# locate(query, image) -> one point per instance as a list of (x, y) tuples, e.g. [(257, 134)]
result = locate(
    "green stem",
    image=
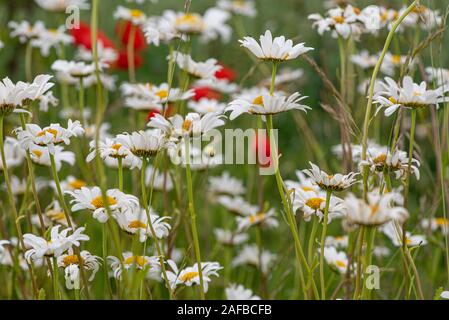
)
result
[(322, 244), (130, 53), (28, 61), (81, 102), (193, 217), (371, 234), (120, 173), (371, 92), (150, 224), (13, 205), (359, 262), (290, 215)]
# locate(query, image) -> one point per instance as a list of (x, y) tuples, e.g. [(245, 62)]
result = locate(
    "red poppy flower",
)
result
[(262, 151), (83, 36), (123, 30), (226, 73), (122, 61), (154, 112), (205, 92)]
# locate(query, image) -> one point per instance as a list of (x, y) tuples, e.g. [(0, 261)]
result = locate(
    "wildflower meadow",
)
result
[(224, 150)]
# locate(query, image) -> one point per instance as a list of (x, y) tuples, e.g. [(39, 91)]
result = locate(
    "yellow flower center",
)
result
[(357, 11), (37, 153), (396, 59), (307, 188), (393, 100), (374, 209), (162, 94), (339, 19), (137, 224), (340, 263), (188, 276), (380, 159), (315, 203), (442, 221), (68, 260), (77, 184), (408, 241), (188, 18), (135, 13), (256, 217), (49, 130), (186, 125), (98, 202), (56, 215), (116, 146), (139, 260), (258, 101)]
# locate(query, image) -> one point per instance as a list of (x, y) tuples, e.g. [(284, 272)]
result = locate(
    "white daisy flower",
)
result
[(250, 255), (49, 136), (313, 203), (14, 95), (229, 238), (379, 210), (190, 276), (444, 295), (110, 151), (136, 16), (59, 243), (14, 154), (219, 85), (143, 143), (161, 29), (136, 222), (62, 5), (206, 105), (337, 260), (364, 59), (132, 261), (336, 182), (434, 224), (55, 214), (237, 205), (192, 125), (264, 219), (380, 159), (239, 7), (70, 263), (51, 38), (25, 31), (341, 22), (106, 55), (226, 184), (74, 69), (41, 156), (277, 49), (199, 70), (239, 292), (91, 199), (304, 183), (337, 242), (410, 95), (394, 232), (393, 62), (266, 104)]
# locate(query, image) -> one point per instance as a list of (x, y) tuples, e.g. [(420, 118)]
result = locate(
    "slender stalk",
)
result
[(311, 243), (120, 173), (193, 217), (368, 112), (13, 206), (57, 295), (359, 262), (81, 102), (371, 234), (323, 240), (28, 61), (290, 215), (130, 54), (150, 224)]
